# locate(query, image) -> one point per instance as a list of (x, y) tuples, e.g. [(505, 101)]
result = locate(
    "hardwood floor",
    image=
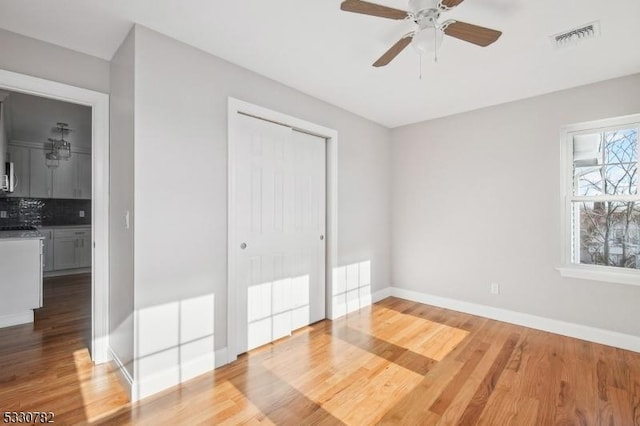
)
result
[(398, 362), (45, 366)]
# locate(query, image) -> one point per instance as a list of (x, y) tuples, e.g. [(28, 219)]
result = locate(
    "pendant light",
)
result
[(60, 148)]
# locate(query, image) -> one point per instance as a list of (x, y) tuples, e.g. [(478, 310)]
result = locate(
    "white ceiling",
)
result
[(318, 49)]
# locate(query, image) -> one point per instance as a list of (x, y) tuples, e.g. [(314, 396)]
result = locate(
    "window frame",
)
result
[(567, 267)]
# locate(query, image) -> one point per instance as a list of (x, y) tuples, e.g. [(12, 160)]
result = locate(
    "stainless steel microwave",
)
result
[(8, 181)]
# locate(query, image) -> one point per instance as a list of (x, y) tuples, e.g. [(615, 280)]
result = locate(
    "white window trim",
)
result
[(568, 268)]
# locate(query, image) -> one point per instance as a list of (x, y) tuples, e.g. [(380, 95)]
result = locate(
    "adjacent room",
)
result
[(336, 212)]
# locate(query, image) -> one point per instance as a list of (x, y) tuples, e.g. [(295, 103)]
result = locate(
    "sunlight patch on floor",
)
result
[(427, 338), (229, 399), (96, 385), (359, 362), (339, 366)]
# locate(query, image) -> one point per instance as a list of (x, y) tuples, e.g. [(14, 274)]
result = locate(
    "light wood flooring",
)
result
[(398, 362)]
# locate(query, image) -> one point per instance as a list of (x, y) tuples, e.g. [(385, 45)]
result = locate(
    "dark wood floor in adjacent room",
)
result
[(45, 366), (398, 362)]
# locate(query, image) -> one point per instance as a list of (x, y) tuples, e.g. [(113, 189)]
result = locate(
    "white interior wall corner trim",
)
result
[(124, 374)]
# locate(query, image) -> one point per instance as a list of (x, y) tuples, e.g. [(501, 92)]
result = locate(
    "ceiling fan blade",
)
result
[(367, 8), (472, 33), (393, 52), (450, 3)]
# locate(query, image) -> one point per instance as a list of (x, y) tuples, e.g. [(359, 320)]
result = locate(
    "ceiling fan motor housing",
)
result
[(425, 13), (417, 6)]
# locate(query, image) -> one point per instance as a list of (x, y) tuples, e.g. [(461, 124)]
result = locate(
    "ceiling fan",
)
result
[(429, 33)]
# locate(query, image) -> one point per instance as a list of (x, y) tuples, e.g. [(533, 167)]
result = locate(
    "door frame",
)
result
[(236, 107), (99, 103)]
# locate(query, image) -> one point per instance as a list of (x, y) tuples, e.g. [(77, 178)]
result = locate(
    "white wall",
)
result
[(34, 117), (121, 242), (476, 199), (40, 59), (181, 194)]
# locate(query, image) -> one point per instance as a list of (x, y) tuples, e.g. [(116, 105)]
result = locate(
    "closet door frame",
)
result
[(333, 308)]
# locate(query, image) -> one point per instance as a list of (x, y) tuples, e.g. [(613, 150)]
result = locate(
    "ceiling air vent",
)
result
[(577, 35)]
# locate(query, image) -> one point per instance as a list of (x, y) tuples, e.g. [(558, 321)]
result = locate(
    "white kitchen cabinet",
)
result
[(21, 280), (47, 263), (19, 156), (65, 178), (84, 176), (40, 176), (65, 253), (84, 252), (71, 179), (71, 248)]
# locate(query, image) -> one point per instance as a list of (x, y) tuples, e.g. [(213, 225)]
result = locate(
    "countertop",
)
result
[(26, 235), (64, 227), (20, 235)]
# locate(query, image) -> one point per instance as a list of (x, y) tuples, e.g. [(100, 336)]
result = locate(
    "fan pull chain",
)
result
[(435, 44)]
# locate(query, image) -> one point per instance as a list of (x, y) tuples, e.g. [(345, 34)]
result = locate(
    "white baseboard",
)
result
[(124, 374), (197, 366), (165, 378), (170, 377), (16, 319), (591, 334), (338, 310), (62, 273), (381, 294), (154, 383), (221, 357)]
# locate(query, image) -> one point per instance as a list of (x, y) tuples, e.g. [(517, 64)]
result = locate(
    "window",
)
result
[(601, 209)]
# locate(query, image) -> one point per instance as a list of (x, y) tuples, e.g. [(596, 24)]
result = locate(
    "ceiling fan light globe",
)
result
[(427, 40)]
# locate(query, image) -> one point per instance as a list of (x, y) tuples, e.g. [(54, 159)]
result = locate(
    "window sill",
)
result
[(606, 274)]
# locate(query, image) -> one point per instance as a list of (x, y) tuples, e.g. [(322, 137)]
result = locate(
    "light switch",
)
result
[(3, 214), (81, 213), (126, 219)]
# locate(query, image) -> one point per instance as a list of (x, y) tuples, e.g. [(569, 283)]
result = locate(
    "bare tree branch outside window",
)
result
[(607, 230)]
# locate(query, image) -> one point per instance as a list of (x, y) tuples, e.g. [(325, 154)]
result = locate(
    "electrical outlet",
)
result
[(81, 213), (3, 214), (495, 288)]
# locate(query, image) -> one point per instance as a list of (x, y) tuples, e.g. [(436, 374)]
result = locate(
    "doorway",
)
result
[(282, 225), (99, 104)]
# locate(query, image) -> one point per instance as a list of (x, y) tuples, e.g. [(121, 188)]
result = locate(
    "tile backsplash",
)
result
[(44, 212)]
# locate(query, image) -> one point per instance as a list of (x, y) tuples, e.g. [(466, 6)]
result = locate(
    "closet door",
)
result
[(309, 207), (279, 200)]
